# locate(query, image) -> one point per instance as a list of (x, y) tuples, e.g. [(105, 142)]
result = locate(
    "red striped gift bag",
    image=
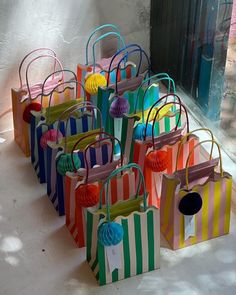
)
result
[(87, 177), (28, 95), (156, 155), (196, 202)]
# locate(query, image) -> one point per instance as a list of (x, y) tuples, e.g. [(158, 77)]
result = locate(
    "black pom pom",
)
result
[(190, 204)]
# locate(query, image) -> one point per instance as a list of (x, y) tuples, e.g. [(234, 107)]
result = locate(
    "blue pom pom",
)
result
[(110, 233), (139, 131)]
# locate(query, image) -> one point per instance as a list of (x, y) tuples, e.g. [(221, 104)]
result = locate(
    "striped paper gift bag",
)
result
[(136, 238), (195, 203), (65, 124), (90, 176), (27, 97), (127, 88), (101, 66), (56, 180), (177, 151)]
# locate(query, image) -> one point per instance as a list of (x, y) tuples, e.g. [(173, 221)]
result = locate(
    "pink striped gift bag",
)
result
[(28, 95), (82, 186), (196, 202)]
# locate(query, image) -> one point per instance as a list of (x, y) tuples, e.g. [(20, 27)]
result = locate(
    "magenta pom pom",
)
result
[(50, 135)]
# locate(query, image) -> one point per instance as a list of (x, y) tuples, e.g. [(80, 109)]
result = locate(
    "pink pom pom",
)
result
[(50, 135)]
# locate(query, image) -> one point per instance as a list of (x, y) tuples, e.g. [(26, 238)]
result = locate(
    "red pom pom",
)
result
[(157, 160), (87, 195), (34, 106)]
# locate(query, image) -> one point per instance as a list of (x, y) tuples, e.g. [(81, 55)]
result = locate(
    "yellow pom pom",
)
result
[(94, 81)]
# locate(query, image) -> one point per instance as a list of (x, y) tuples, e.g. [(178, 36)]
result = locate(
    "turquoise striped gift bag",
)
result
[(129, 230)]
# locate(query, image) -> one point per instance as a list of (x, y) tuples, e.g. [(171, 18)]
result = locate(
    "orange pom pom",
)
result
[(157, 161), (87, 195)]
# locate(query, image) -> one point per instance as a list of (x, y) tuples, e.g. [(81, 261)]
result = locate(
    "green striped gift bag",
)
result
[(123, 240)]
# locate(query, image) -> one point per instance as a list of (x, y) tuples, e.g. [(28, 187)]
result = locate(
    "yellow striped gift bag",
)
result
[(196, 202), (128, 230)]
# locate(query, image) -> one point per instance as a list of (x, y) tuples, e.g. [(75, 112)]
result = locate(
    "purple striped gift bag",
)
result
[(196, 202)]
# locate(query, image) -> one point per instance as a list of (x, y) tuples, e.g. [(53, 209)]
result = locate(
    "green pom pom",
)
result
[(64, 163)]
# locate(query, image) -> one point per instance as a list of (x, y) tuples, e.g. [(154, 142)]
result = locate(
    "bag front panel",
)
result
[(210, 222), (140, 247), (154, 179), (21, 128)]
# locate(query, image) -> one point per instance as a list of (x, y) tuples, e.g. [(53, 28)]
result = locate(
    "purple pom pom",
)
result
[(119, 107)]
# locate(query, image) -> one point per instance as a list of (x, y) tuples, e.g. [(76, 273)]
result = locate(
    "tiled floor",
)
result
[(38, 255)]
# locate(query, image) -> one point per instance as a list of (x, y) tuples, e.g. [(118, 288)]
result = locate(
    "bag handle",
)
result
[(157, 102), (32, 61), (117, 54), (100, 140), (170, 81), (158, 111), (119, 37), (53, 53), (185, 137), (78, 107), (114, 173), (142, 52), (74, 81), (94, 32), (188, 159)]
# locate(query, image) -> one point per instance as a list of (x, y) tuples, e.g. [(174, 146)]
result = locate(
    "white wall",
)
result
[(63, 25)]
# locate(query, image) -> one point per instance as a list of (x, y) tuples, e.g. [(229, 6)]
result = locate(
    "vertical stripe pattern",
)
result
[(140, 247), (210, 222)]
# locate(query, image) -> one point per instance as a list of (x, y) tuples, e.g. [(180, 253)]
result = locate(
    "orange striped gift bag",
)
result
[(79, 184), (28, 95), (58, 154), (128, 230), (196, 202), (157, 155), (176, 150), (100, 66)]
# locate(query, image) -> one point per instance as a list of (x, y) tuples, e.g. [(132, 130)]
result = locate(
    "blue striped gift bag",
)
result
[(46, 119), (55, 150), (55, 181)]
